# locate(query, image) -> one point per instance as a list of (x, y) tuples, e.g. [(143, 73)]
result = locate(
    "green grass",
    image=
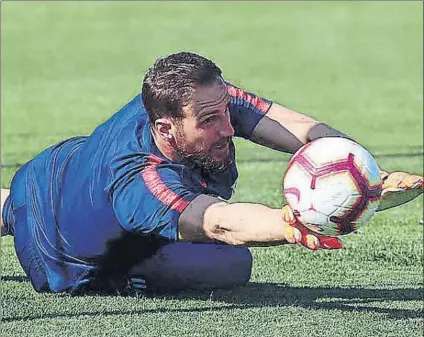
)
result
[(68, 66)]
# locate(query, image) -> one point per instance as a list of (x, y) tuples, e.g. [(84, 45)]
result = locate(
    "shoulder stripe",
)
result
[(158, 188), (154, 160), (248, 99)]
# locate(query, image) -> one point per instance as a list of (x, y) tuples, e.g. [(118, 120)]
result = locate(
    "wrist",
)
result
[(322, 130)]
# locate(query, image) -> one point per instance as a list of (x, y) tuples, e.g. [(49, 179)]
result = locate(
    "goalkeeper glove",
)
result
[(296, 232), (399, 188)]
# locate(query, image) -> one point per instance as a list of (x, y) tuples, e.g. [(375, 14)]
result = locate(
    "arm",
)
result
[(279, 128), (245, 224), (286, 130), (294, 122), (208, 218), (156, 202), (271, 124)]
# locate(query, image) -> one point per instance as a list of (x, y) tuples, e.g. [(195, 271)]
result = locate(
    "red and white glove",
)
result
[(296, 232)]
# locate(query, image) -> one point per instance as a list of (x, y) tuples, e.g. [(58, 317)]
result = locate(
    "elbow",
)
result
[(225, 236), (214, 226)]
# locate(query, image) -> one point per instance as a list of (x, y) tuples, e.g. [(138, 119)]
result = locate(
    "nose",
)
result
[(227, 129)]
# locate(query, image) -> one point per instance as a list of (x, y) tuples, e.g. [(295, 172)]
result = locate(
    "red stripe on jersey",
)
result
[(257, 102), (152, 159), (158, 188)]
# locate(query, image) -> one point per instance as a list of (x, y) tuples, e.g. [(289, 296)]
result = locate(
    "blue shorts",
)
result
[(15, 218)]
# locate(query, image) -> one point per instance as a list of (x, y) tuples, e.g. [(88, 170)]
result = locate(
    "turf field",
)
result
[(68, 66)]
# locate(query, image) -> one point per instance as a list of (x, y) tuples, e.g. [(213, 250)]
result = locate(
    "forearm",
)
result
[(244, 224), (286, 130), (296, 123)]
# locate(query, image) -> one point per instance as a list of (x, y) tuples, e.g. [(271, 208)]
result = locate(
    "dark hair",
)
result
[(169, 84)]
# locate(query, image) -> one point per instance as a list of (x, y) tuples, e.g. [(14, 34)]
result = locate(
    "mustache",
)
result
[(205, 160)]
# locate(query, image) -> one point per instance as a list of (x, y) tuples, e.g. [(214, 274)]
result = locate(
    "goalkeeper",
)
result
[(140, 203)]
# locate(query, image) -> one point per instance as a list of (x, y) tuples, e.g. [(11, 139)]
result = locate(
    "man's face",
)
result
[(204, 134)]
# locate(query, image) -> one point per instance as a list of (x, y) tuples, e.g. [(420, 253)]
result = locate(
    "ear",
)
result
[(163, 128)]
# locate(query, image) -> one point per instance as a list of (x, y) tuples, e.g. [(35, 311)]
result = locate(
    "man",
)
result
[(140, 202)]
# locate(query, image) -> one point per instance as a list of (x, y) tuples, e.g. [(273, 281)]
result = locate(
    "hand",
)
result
[(399, 188), (400, 180), (296, 232)]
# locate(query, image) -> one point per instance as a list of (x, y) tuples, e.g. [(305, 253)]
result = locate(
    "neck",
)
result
[(165, 147)]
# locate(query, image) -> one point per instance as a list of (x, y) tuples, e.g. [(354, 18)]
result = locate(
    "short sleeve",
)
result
[(246, 110), (151, 201)]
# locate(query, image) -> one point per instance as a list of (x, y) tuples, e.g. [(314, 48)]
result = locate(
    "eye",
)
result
[(209, 119)]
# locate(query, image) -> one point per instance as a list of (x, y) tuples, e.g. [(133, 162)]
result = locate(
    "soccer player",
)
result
[(140, 203)]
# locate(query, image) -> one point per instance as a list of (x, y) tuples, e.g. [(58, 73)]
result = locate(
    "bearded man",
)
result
[(140, 203)]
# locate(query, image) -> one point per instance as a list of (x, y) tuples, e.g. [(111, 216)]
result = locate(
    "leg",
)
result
[(4, 195), (14, 222), (185, 265)]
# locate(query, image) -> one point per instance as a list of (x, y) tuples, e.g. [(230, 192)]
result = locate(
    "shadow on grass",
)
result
[(259, 295), (14, 278)]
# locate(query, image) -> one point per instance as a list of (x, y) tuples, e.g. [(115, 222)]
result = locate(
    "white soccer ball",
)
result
[(333, 185)]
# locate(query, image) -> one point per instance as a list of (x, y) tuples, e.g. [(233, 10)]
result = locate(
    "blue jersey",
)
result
[(96, 205)]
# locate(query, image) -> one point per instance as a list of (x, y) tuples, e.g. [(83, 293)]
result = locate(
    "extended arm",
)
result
[(286, 130), (245, 224)]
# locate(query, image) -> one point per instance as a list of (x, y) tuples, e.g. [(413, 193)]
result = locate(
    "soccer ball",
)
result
[(333, 185)]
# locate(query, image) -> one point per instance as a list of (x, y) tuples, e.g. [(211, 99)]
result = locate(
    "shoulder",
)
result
[(246, 99)]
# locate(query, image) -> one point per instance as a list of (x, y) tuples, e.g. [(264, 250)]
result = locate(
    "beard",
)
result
[(205, 160)]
